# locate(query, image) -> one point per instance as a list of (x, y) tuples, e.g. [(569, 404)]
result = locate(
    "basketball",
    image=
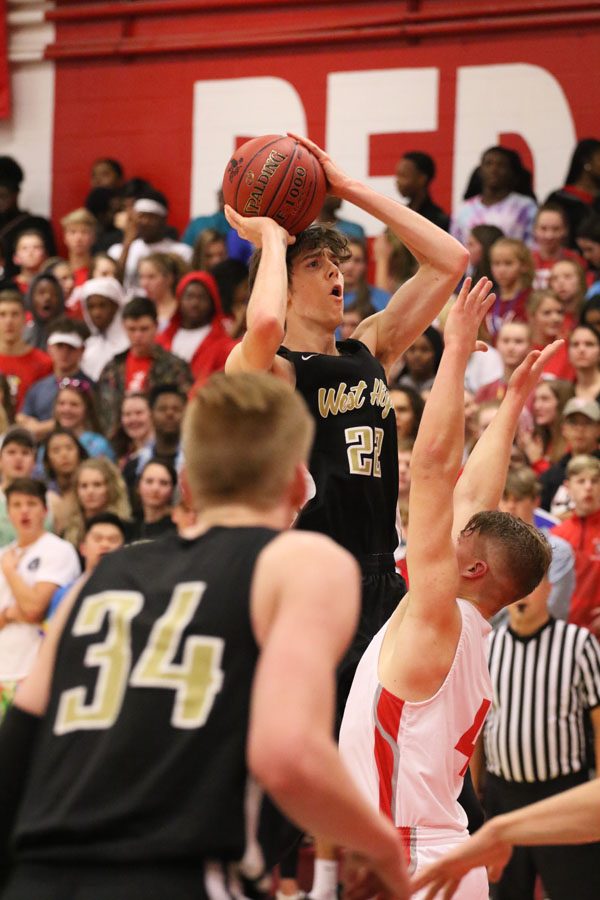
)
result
[(275, 176)]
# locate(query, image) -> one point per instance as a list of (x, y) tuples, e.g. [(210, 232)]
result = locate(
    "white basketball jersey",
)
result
[(409, 758)]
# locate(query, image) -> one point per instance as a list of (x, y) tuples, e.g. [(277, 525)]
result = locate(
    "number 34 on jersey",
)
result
[(195, 681)]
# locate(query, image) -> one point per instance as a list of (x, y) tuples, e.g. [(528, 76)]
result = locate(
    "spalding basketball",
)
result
[(275, 176)]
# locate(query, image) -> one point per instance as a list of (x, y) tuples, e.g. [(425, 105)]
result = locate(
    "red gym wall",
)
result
[(125, 76)]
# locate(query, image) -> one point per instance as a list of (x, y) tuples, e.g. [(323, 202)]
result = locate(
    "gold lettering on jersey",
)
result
[(380, 396), (341, 399)]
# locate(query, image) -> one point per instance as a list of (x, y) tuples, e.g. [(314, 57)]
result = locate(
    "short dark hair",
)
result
[(524, 552), (19, 436), (424, 163), (11, 173), (12, 295), (591, 305), (32, 487), (590, 228), (106, 518), (58, 430), (159, 389), (30, 232), (66, 325), (315, 237), (114, 164), (155, 461), (139, 307), (552, 206)]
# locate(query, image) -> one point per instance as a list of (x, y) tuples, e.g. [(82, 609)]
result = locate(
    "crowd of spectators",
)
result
[(102, 345)]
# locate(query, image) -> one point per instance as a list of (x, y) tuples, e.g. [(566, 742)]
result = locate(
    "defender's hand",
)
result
[(444, 876), (527, 375), (468, 312)]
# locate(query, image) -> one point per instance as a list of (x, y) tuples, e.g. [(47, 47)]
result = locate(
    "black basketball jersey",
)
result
[(142, 753), (354, 460)]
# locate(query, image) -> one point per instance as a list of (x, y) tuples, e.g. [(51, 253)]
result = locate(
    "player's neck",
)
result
[(524, 626), (313, 337), (466, 591), (231, 515)]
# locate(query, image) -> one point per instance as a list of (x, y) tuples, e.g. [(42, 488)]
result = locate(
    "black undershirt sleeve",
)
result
[(17, 742)]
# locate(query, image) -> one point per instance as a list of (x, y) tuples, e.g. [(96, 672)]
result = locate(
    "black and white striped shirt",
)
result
[(542, 685)]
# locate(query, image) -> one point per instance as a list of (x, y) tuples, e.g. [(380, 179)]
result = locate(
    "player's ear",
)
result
[(476, 569), (299, 493), (185, 490)]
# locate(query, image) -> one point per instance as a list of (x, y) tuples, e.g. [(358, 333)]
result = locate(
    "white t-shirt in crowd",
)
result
[(48, 559), (187, 340), (483, 368)]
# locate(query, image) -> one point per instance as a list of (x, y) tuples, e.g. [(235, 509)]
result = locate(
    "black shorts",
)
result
[(568, 871), (382, 590), (110, 881)]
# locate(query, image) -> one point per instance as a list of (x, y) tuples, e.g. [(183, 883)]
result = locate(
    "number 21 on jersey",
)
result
[(195, 681)]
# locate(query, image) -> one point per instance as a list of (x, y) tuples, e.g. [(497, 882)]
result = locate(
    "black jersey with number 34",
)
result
[(354, 461), (141, 756)]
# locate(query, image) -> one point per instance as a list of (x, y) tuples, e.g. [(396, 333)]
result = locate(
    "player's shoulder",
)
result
[(303, 552), (141, 558)]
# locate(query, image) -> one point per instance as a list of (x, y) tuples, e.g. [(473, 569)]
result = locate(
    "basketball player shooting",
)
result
[(295, 306), (422, 689)]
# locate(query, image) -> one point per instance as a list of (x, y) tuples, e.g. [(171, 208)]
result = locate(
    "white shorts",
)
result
[(427, 846)]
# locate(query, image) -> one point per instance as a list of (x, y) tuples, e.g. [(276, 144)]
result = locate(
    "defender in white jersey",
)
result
[(422, 689)]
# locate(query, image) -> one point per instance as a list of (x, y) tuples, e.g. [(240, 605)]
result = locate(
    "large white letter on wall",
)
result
[(515, 98), (228, 108), (380, 101)]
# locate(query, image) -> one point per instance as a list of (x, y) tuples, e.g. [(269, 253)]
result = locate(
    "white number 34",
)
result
[(196, 680)]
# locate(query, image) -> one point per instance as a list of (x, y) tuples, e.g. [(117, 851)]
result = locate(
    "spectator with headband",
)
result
[(65, 349), (145, 232), (102, 302)]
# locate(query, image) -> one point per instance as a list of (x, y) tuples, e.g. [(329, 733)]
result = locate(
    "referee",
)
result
[(546, 681)]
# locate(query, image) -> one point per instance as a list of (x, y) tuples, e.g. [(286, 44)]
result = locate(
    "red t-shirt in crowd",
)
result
[(137, 372), (583, 534), (81, 275), (558, 365), (23, 371)]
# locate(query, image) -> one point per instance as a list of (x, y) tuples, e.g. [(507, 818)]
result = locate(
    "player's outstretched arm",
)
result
[(436, 461), (481, 484), (305, 600), (442, 261), (572, 817), (265, 316)]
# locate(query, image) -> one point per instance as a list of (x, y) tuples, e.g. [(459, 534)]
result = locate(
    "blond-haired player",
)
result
[(183, 666)]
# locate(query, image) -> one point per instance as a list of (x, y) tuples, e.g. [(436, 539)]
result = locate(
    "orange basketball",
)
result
[(275, 176)]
